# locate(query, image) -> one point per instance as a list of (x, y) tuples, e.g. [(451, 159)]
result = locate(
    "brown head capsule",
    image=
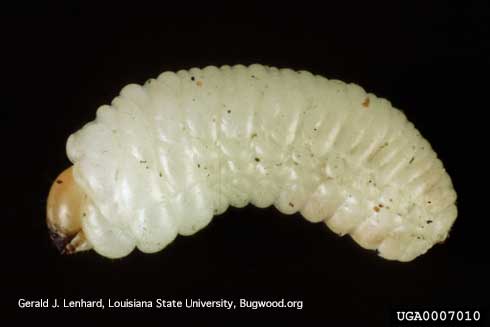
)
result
[(64, 214)]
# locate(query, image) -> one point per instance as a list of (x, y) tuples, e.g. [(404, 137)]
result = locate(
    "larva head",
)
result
[(64, 214)]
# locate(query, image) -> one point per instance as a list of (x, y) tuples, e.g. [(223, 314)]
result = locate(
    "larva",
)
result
[(165, 157)]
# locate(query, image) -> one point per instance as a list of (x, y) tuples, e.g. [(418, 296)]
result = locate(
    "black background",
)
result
[(60, 63)]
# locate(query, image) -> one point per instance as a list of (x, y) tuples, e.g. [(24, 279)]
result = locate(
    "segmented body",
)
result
[(165, 157)]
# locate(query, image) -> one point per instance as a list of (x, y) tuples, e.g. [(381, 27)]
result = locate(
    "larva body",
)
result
[(165, 157)]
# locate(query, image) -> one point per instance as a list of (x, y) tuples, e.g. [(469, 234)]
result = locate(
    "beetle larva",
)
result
[(165, 157)]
